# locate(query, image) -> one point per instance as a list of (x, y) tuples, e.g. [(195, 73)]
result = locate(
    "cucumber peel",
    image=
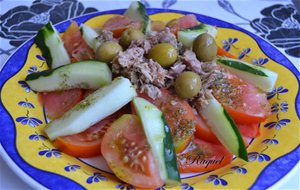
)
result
[(137, 11), (262, 78), (160, 139), (187, 36), (97, 106), (52, 47), (84, 74), (90, 36), (223, 126)]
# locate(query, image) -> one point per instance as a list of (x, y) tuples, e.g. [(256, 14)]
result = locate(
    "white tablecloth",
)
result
[(244, 13)]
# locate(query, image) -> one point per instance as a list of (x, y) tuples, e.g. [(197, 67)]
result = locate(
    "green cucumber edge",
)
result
[(171, 159), (143, 12), (242, 67), (242, 148), (39, 40), (45, 73), (195, 28)]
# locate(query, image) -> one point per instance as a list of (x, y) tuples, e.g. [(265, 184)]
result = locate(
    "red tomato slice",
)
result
[(184, 22), (126, 151), (179, 116), (87, 143), (117, 24), (203, 132), (243, 101), (76, 46), (202, 156), (249, 130), (57, 103)]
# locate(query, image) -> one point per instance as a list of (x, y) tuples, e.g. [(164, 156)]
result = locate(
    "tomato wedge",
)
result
[(202, 156), (117, 24), (243, 101), (57, 103), (183, 22), (179, 116), (203, 132), (76, 46), (127, 153), (88, 143), (249, 130)]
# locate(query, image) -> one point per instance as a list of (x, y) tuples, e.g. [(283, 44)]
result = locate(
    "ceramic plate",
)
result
[(27, 149)]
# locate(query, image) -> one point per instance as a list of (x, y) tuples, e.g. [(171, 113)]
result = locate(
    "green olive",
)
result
[(129, 35), (165, 54), (187, 84), (108, 51), (205, 47)]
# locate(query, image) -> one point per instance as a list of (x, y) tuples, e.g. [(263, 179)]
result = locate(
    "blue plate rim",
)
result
[(17, 159)]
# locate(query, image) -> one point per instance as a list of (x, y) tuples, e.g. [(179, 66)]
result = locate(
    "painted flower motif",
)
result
[(270, 141), (260, 61), (40, 57), (161, 188), (96, 177), (283, 107), (71, 168), (280, 25), (168, 3), (216, 180), (24, 85), (277, 92), (22, 22), (186, 186), (50, 152), (124, 186), (31, 121), (26, 104), (32, 69), (244, 53), (277, 124), (37, 137), (239, 169), (260, 157), (228, 43)]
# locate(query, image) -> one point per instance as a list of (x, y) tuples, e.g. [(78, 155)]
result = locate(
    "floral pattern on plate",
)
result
[(24, 123)]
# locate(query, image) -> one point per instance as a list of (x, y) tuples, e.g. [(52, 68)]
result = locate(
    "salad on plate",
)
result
[(155, 99)]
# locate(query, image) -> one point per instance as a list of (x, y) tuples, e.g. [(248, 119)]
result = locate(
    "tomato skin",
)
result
[(58, 102), (243, 118), (243, 101), (119, 23), (88, 143), (183, 22), (126, 151), (202, 156), (249, 130), (76, 46), (179, 116), (203, 132)]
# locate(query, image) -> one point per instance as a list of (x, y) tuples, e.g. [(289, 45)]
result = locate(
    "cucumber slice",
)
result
[(52, 47), (83, 74), (160, 139), (137, 11), (261, 77), (97, 106), (187, 36), (90, 36), (224, 128)]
